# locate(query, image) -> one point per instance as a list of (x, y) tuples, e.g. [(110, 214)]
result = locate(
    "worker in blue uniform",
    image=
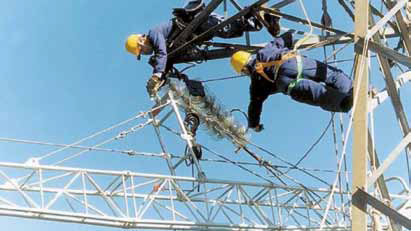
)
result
[(275, 69), (158, 41)]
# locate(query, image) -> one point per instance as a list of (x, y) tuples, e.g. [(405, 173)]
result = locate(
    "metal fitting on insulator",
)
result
[(121, 135), (192, 121), (130, 152)]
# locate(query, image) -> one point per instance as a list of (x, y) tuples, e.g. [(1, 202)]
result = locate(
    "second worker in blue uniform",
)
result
[(306, 80)]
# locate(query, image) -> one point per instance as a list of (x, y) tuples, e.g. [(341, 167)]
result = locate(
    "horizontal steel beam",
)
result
[(147, 224), (383, 95), (386, 52), (390, 159), (134, 200), (363, 196)]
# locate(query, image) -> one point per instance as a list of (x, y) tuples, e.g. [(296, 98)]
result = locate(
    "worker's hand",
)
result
[(259, 128)]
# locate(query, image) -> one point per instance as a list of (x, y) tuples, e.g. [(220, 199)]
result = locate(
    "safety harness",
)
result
[(259, 67), (299, 76)]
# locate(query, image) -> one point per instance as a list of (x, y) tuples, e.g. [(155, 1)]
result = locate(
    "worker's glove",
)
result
[(154, 84), (259, 128)]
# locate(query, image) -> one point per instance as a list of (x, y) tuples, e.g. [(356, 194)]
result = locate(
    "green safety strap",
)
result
[(299, 76)]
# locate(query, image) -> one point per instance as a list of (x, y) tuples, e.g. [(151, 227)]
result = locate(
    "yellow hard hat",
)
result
[(132, 44), (239, 60)]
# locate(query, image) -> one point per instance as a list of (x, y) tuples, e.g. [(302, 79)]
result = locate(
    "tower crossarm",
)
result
[(136, 200)]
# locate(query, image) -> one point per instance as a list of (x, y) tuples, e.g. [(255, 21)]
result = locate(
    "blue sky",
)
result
[(65, 74)]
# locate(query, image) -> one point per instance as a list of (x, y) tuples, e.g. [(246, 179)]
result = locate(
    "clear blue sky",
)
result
[(65, 74)]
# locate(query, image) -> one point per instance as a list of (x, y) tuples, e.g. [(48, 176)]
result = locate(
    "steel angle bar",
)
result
[(253, 205), (303, 21), (392, 89), (99, 212), (220, 204), (346, 8), (230, 49), (217, 27), (165, 117), (234, 46), (365, 197), (282, 4), (390, 23), (386, 52), (383, 95), (162, 145), (223, 187), (404, 30), (57, 195), (5, 201), (27, 178), (197, 21), (236, 5), (206, 55), (390, 159), (386, 18), (111, 204), (150, 199), (117, 187), (44, 181), (27, 199), (381, 183), (112, 183), (173, 211), (190, 205), (133, 187), (160, 105)]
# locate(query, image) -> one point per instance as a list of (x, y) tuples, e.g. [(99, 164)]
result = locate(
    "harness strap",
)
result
[(259, 66), (299, 76)]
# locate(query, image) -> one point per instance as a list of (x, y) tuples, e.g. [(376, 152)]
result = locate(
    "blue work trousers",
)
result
[(322, 85)]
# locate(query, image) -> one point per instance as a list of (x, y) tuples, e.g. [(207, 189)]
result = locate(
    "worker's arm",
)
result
[(159, 46), (275, 49), (272, 51), (287, 38), (258, 96)]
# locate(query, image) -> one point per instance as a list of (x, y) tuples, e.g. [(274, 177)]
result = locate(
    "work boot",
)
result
[(154, 84), (273, 24), (347, 103)]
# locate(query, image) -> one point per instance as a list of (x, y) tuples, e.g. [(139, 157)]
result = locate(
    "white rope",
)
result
[(310, 34), (372, 130)]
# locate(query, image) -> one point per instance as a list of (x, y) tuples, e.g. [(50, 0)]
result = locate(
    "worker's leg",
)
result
[(314, 93), (337, 79), (319, 72)]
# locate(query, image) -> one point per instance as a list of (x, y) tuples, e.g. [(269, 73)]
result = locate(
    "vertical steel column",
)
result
[(360, 140)]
